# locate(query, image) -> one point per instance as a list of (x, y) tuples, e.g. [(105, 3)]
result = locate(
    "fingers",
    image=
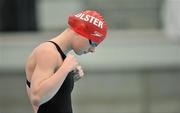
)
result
[(76, 78), (70, 63), (78, 73)]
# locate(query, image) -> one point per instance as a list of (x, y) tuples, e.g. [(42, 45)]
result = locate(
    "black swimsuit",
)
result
[(61, 101)]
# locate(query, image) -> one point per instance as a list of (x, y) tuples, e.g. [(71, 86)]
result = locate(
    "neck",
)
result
[(64, 40)]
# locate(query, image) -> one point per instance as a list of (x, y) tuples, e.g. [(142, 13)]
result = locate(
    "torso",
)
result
[(61, 101)]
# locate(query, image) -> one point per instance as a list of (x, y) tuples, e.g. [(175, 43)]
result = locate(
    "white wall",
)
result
[(53, 14), (121, 50), (171, 18)]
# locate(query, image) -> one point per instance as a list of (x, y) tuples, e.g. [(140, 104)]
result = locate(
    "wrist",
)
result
[(64, 69)]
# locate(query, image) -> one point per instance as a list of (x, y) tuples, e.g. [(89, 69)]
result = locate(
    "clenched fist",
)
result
[(78, 73), (70, 63)]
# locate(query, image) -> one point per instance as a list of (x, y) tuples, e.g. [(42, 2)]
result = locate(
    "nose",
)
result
[(92, 49)]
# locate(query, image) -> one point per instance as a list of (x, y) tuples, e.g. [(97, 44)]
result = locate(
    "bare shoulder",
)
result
[(45, 57), (46, 53)]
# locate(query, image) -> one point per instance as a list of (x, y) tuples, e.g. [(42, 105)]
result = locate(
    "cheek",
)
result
[(79, 48), (81, 44), (83, 49)]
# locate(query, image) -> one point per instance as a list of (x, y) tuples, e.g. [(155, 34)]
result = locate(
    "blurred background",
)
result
[(135, 70)]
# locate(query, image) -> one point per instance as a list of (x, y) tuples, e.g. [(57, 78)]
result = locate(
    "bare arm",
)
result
[(45, 83)]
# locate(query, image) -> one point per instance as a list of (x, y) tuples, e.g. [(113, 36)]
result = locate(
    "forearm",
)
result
[(48, 88)]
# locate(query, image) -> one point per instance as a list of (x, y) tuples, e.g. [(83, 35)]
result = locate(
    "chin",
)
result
[(79, 52)]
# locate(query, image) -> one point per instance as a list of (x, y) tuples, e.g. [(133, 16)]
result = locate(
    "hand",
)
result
[(70, 63), (78, 73)]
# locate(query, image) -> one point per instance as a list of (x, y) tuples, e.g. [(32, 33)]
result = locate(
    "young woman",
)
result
[(51, 74)]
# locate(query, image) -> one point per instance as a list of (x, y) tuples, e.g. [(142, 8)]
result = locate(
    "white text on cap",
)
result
[(91, 19)]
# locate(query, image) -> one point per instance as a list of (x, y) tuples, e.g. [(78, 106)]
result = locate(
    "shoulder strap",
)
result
[(59, 50), (28, 83)]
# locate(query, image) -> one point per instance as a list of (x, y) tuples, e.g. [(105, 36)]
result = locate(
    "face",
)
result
[(83, 45)]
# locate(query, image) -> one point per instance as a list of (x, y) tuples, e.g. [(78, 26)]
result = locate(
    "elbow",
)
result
[(35, 100)]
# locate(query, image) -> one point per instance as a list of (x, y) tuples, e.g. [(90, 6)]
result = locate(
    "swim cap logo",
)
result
[(97, 34), (91, 19)]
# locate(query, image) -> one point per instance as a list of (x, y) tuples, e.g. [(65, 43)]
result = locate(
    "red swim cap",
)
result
[(89, 24)]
